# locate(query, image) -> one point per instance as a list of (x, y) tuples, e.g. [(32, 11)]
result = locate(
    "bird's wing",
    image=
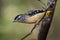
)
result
[(33, 12)]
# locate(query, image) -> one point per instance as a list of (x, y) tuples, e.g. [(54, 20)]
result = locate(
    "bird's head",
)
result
[(18, 18)]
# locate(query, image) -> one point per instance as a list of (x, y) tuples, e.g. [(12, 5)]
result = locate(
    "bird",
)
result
[(31, 17)]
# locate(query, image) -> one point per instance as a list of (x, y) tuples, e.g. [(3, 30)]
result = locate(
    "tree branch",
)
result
[(46, 22)]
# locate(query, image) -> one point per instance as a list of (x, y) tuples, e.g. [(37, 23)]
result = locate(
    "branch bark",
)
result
[(46, 22)]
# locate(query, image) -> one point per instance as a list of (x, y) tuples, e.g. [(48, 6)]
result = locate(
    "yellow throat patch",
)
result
[(48, 12)]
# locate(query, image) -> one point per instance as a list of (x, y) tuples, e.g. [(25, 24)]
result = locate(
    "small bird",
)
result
[(31, 17)]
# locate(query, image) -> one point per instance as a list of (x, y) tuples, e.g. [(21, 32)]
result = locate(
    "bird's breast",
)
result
[(34, 18)]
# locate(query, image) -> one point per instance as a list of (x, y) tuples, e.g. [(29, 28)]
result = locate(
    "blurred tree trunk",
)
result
[(1, 12), (0, 19), (46, 22)]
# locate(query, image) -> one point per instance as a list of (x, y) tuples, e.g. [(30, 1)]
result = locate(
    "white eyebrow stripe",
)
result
[(19, 17)]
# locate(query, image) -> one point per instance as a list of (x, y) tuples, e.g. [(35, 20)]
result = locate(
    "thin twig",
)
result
[(37, 23)]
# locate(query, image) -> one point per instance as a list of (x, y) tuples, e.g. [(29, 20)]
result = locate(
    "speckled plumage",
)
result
[(35, 12)]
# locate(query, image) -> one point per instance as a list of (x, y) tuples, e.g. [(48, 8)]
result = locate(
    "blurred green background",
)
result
[(15, 31)]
